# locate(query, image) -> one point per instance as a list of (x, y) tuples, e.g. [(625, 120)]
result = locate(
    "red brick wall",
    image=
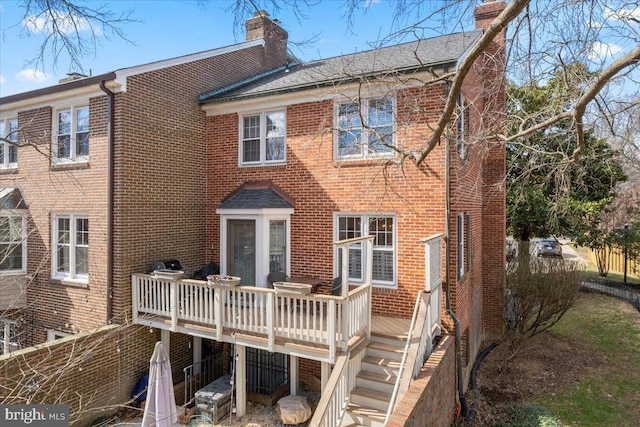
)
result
[(160, 190), (48, 189), (431, 400), (322, 187), (86, 372)]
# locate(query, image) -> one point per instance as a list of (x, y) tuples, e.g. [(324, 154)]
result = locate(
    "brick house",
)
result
[(243, 157)]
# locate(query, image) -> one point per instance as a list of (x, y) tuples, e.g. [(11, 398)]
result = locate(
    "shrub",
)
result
[(539, 293)]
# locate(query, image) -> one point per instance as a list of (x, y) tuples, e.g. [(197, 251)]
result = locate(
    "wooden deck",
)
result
[(395, 327)]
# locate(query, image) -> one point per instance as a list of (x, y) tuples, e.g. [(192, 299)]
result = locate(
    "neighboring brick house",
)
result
[(108, 173), (243, 157)]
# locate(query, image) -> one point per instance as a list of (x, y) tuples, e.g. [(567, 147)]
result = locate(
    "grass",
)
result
[(609, 395)]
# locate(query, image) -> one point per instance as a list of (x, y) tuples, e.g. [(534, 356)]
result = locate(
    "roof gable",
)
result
[(258, 195)]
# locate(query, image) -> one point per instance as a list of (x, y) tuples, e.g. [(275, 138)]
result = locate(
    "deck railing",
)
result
[(315, 319)]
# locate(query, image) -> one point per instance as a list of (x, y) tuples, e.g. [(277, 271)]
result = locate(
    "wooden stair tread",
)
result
[(372, 394), (374, 376), (365, 411), (381, 362), (386, 347)]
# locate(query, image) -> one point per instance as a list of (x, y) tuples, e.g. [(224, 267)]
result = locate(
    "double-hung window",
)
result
[(13, 243), (263, 138), (71, 247), (71, 135), (382, 227), (9, 147), (365, 129), (463, 232)]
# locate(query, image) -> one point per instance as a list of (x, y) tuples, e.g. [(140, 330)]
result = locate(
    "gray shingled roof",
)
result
[(255, 198), (400, 58)]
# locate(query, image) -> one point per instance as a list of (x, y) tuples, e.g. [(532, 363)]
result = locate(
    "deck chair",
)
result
[(276, 276)]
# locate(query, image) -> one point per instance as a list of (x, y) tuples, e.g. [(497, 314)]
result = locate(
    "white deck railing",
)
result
[(314, 319)]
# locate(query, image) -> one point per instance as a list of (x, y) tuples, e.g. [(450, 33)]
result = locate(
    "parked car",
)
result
[(548, 247)]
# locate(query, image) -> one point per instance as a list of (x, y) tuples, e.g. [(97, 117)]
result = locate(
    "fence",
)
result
[(616, 261)]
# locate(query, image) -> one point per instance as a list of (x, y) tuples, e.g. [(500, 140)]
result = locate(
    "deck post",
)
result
[(293, 380), (134, 298), (197, 354), (241, 380), (271, 320), (345, 295), (165, 337), (325, 373), (173, 305), (217, 312)]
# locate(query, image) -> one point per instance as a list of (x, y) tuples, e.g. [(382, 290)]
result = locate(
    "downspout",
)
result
[(456, 321), (110, 120)]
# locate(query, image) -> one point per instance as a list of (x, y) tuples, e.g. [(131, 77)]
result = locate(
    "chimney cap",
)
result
[(261, 13)]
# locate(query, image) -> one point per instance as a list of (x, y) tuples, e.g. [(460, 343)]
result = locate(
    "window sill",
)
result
[(83, 284), (262, 165), (84, 164), (8, 171), (371, 161)]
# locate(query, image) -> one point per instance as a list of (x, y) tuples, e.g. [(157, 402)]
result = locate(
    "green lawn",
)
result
[(609, 394), (592, 270)]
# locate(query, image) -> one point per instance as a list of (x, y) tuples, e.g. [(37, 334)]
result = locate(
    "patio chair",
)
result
[(276, 276)]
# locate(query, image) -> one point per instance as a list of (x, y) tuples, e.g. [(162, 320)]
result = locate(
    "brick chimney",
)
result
[(260, 26), (486, 13)]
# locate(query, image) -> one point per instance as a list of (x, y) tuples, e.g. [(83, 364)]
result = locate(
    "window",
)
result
[(463, 243), (53, 335), (462, 126), (71, 135), (374, 137), (384, 252), (9, 150), (71, 246), (13, 243), (263, 138), (277, 246), (8, 337)]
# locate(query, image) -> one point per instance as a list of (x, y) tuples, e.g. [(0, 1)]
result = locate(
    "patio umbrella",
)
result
[(160, 409)]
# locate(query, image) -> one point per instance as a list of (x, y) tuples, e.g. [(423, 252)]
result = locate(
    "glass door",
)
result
[(241, 250)]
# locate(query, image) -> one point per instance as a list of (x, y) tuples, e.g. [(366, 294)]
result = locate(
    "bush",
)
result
[(539, 293), (530, 415)]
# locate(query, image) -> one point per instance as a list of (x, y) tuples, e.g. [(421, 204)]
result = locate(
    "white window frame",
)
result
[(364, 231), (263, 139), (74, 157), (365, 130), (73, 245), (53, 335), (6, 132), (463, 235), (6, 213), (262, 218), (462, 126), (7, 344)]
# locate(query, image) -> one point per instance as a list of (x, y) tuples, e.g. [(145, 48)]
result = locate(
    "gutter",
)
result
[(449, 310), (110, 133)]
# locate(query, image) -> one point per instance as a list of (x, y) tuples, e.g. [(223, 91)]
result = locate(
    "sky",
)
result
[(170, 28)]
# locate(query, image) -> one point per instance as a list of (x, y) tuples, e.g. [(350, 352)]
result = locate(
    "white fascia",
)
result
[(305, 94)]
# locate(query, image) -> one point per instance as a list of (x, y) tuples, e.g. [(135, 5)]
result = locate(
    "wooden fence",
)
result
[(616, 261)]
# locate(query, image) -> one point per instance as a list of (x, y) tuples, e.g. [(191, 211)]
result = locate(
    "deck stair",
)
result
[(369, 400)]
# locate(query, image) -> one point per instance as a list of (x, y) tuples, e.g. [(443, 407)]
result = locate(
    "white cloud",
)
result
[(66, 23), (623, 14), (31, 75), (605, 51)]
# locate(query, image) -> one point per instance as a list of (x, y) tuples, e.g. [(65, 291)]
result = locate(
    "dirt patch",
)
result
[(546, 363)]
